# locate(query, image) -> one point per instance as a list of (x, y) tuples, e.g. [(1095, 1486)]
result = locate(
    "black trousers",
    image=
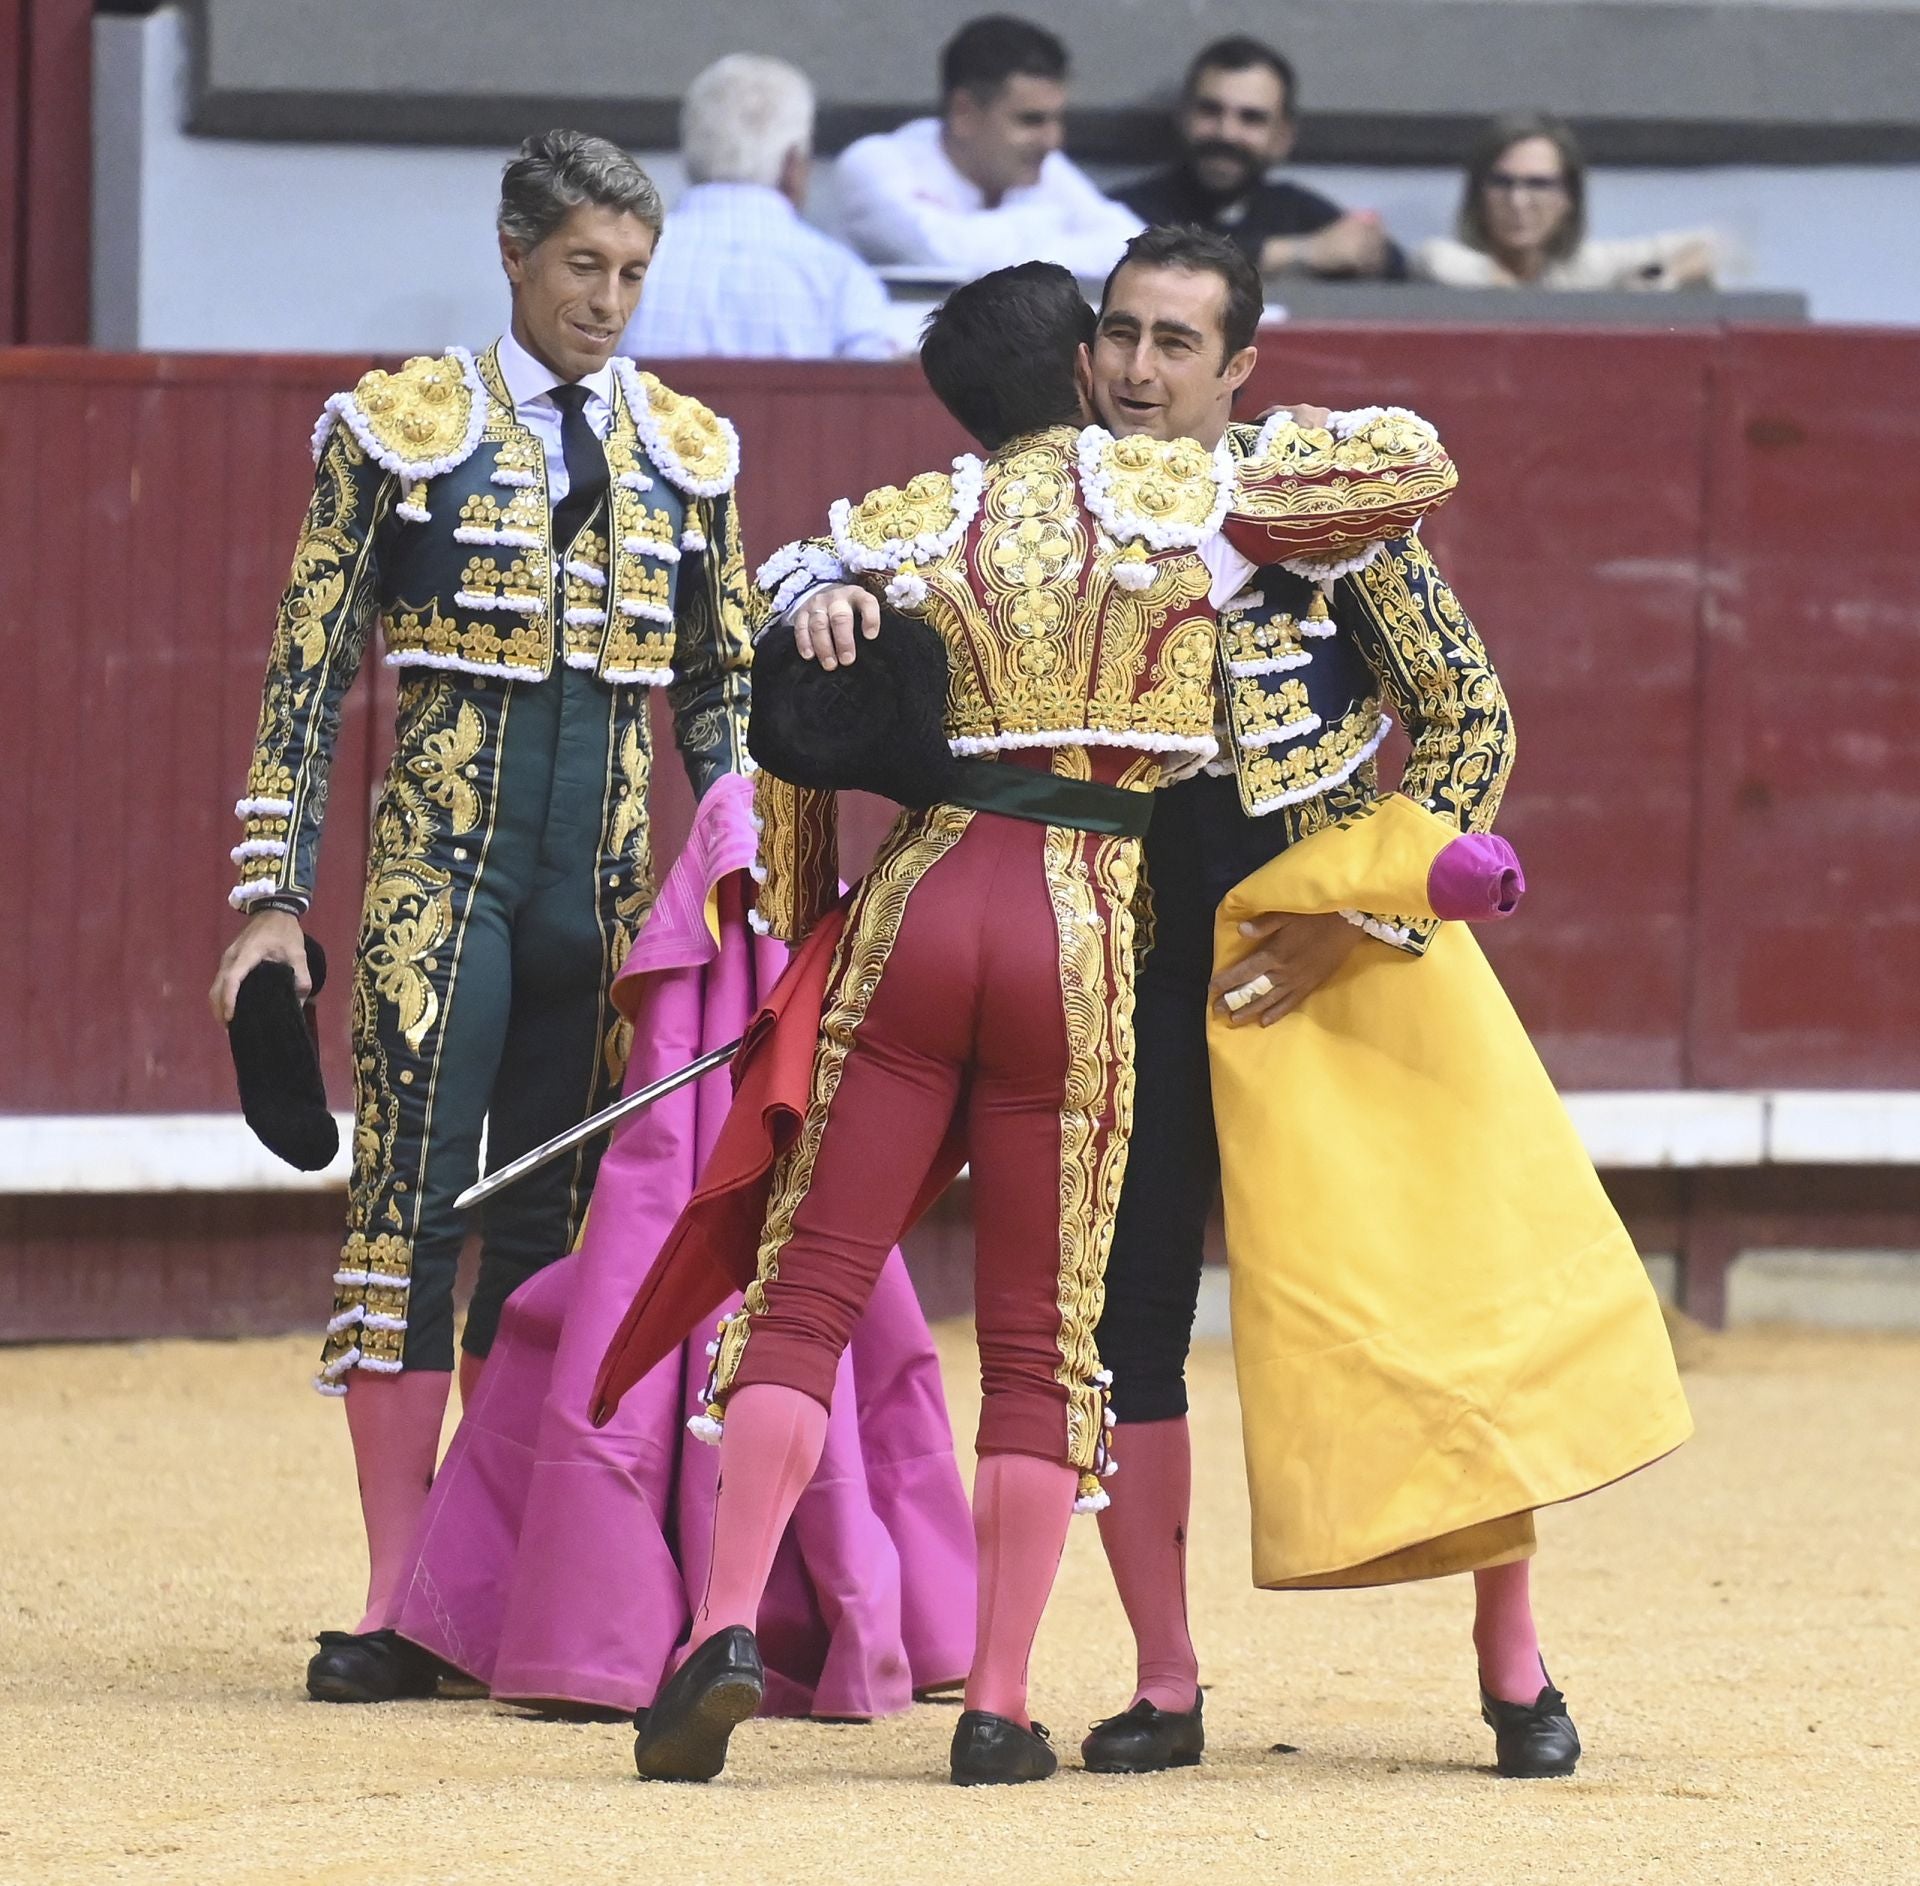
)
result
[(1199, 846)]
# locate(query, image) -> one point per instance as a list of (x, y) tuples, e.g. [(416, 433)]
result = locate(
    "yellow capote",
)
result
[(1439, 1321)]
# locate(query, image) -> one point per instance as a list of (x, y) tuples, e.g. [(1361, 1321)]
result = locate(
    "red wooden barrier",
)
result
[(1690, 555)]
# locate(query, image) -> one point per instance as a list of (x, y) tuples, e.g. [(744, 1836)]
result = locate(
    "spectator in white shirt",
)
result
[(985, 184), (737, 272)]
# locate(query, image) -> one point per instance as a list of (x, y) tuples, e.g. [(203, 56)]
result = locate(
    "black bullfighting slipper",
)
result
[(683, 1737), (372, 1667), (1532, 1740), (993, 1751), (1145, 1739)]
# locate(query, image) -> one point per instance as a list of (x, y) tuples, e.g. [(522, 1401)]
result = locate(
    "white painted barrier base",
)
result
[(53, 1155)]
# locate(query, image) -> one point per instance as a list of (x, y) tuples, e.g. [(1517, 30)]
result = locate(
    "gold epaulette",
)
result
[(1372, 441), (690, 444), (417, 423), (906, 524), (1170, 494)]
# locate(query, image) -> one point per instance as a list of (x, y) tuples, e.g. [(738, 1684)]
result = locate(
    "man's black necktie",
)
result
[(586, 466)]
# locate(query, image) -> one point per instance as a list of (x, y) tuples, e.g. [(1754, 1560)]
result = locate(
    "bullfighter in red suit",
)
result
[(979, 991)]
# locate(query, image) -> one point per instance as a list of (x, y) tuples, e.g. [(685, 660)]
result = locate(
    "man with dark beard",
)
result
[(1236, 119)]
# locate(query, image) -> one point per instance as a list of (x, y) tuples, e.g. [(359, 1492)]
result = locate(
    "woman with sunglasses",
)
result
[(1523, 224)]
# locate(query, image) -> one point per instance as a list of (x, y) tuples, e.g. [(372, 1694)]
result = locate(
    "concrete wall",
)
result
[(214, 243), (1675, 80)]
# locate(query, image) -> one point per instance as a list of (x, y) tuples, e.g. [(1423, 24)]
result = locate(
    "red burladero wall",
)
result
[(1692, 554)]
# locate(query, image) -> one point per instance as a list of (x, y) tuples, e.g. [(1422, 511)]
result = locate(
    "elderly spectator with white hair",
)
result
[(737, 271)]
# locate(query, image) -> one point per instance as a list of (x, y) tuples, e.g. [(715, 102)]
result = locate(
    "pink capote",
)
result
[(561, 1562)]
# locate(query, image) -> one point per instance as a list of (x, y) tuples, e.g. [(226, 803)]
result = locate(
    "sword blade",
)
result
[(601, 1122)]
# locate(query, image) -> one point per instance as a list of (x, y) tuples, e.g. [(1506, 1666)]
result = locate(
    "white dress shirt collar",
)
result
[(529, 379)]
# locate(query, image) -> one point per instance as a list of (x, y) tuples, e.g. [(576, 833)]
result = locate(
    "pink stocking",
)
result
[(1503, 1635), (1144, 1532), (470, 1367), (1022, 1506), (395, 1424), (769, 1447)]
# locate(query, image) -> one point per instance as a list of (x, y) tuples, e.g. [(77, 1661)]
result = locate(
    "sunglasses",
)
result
[(1505, 180)]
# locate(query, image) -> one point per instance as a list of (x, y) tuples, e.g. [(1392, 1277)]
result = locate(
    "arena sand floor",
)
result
[(1736, 1629)]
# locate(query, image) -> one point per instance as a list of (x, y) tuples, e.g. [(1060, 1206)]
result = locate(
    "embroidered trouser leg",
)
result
[(1199, 845), (980, 969), (479, 992)]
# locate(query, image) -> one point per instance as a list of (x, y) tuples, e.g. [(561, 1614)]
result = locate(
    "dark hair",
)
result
[(1200, 252), (1495, 142), (1241, 52), (1000, 353), (554, 172), (985, 53)]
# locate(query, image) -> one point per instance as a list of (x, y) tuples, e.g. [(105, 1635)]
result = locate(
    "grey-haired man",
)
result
[(543, 535)]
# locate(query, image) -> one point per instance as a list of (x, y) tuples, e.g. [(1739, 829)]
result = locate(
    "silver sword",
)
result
[(601, 1122)]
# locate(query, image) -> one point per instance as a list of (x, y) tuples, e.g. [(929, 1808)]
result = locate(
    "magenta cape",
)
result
[(558, 1561)]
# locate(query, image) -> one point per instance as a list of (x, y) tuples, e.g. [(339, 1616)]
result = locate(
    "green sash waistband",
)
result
[(1019, 792)]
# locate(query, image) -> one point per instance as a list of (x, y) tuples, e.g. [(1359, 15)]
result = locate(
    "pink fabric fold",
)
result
[(1475, 879), (561, 1562)]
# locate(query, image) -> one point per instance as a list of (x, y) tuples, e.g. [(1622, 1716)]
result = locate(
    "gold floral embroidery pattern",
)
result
[(690, 431), (1092, 883), (1324, 497), (421, 414), (798, 866), (319, 636), (918, 841), (893, 514), (1271, 707), (1436, 667), (1269, 773)]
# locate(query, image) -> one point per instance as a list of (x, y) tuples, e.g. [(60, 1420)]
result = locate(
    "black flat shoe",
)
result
[(1145, 1739), (683, 1737), (992, 1751), (372, 1667), (1532, 1740)]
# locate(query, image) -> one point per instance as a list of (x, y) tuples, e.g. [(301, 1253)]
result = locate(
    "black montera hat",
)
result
[(877, 724), (276, 1054)]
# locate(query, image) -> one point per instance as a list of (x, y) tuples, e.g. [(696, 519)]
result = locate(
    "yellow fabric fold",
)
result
[(1439, 1321)]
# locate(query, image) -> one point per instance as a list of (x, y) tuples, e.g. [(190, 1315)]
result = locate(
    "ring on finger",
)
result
[(1262, 984)]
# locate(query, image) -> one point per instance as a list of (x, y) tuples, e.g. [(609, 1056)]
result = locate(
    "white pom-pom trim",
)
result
[(704, 1428), (259, 848), (639, 677), (1331, 571), (1276, 736), (908, 590), (654, 547), (508, 539), (1338, 777), (346, 406), (263, 808), (1269, 665), (966, 746), (666, 460), (1396, 934), (1129, 526), (458, 664), (969, 480), (801, 558), (1132, 574)]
